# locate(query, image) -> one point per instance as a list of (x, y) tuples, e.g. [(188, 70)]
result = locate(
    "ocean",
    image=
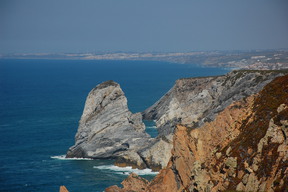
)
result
[(41, 102)]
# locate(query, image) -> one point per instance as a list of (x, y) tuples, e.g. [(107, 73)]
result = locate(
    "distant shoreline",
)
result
[(255, 59)]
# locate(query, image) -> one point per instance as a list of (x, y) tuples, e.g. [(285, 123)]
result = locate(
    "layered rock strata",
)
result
[(245, 148), (107, 128), (194, 101)]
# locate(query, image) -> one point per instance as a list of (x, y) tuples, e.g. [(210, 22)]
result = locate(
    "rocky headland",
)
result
[(215, 133), (108, 129), (244, 148), (194, 101)]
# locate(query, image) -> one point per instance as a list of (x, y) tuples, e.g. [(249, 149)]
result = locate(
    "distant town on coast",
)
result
[(253, 59)]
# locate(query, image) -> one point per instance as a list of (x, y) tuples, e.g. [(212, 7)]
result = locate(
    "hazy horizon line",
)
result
[(145, 52)]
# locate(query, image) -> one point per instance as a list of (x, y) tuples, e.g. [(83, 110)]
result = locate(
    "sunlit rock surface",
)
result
[(194, 101), (107, 128), (244, 148)]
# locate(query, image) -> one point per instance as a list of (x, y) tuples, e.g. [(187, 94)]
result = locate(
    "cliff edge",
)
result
[(194, 101), (245, 148)]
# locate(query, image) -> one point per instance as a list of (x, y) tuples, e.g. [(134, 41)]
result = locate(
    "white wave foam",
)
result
[(63, 157), (126, 170), (151, 127)]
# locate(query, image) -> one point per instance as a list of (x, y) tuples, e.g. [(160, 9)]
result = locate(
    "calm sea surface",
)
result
[(41, 102)]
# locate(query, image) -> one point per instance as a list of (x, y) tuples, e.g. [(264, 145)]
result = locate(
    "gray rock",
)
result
[(107, 128), (194, 101), (156, 156)]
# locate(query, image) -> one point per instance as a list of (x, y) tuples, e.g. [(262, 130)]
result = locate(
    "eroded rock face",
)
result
[(244, 148), (158, 152), (107, 128), (194, 101), (133, 182)]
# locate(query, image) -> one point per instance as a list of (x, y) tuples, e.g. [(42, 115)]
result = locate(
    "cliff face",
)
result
[(107, 128), (244, 148), (194, 101)]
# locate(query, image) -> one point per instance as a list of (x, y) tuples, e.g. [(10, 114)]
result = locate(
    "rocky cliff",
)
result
[(107, 128), (244, 148), (194, 101)]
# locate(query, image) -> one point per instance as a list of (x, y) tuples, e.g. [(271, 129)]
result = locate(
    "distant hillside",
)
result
[(261, 59)]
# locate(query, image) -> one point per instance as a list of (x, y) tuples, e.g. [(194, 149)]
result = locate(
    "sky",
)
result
[(96, 26)]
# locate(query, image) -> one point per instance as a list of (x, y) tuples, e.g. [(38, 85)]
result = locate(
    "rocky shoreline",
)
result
[(197, 120), (245, 148)]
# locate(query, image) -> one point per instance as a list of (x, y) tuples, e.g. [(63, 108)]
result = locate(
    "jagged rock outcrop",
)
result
[(133, 182), (107, 128), (157, 154), (153, 155), (63, 189), (194, 101), (245, 148)]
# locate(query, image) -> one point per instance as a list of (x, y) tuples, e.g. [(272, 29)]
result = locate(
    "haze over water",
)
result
[(72, 26)]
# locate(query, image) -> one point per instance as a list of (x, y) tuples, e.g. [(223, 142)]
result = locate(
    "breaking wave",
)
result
[(126, 170), (151, 127), (63, 157)]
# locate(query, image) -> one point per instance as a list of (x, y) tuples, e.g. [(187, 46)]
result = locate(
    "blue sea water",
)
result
[(41, 102)]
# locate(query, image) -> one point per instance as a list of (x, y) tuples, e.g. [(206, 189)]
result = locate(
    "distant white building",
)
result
[(258, 57)]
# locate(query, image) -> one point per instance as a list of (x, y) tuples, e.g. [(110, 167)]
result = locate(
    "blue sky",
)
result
[(57, 26)]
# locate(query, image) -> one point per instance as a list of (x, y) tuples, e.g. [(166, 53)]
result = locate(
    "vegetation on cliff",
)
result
[(245, 148)]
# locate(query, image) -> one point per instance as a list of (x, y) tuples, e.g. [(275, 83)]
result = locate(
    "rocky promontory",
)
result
[(215, 134), (107, 128), (194, 101), (244, 148)]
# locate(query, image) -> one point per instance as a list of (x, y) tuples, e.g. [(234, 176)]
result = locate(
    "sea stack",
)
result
[(107, 128)]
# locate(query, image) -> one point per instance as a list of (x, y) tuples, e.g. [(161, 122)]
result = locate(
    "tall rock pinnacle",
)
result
[(107, 128)]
